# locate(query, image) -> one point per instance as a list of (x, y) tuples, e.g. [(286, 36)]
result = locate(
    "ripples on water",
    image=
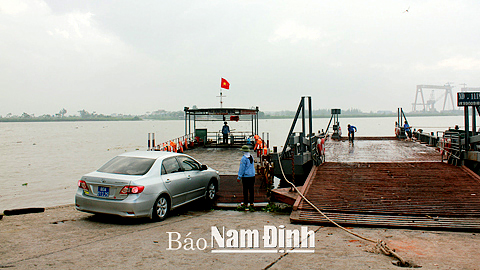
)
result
[(42, 162)]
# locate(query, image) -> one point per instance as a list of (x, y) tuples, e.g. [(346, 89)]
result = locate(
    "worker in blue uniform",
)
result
[(225, 131), (246, 173), (408, 130), (351, 132)]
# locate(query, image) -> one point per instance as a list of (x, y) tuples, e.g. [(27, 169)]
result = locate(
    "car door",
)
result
[(197, 181), (175, 180)]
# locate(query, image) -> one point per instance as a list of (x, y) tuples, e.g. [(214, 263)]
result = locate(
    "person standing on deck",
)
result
[(246, 173), (225, 131), (408, 130), (351, 132)]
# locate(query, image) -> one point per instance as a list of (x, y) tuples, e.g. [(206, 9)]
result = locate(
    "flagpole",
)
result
[(221, 98), (223, 84)]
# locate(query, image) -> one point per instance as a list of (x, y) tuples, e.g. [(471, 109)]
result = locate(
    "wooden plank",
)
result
[(306, 185), (284, 195)]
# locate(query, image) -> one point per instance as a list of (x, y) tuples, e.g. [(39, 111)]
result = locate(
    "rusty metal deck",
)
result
[(231, 191), (425, 194)]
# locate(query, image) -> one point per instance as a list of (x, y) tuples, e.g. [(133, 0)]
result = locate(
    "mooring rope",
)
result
[(380, 244)]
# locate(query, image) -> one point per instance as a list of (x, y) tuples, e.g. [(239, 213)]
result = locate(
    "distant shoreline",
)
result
[(368, 115), (140, 118), (68, 119)]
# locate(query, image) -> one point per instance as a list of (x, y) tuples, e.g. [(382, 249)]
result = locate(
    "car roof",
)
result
[(150, 154)]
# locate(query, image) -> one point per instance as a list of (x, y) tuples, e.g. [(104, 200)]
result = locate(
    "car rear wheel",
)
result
[(160, 208), (211, 191)]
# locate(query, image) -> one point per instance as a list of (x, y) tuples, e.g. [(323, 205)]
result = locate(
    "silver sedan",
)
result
[(146, 184)]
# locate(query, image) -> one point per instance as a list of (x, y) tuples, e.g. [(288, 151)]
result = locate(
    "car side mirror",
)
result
[(204, 167)]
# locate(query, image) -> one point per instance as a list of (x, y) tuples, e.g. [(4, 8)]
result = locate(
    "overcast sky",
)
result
[(136, 56)]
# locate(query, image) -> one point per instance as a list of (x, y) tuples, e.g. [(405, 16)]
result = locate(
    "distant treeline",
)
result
[(180, 115), (69, 118), (60, 116)]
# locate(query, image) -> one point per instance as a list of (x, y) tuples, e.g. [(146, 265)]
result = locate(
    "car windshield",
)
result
[(128, 165)]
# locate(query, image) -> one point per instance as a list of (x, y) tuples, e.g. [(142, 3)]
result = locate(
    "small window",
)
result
[(189, 164), (170, 165)]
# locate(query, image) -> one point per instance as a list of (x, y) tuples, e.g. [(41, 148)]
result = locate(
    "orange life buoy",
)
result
[(448, 145), (180, 147), (441, 146), (173, 146), (258, 145), (321, 146)]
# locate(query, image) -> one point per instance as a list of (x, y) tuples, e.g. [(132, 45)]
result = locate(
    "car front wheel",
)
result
[(211, 191), (160, 208)]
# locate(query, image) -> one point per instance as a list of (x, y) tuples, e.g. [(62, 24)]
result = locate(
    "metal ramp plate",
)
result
[(391, 194)]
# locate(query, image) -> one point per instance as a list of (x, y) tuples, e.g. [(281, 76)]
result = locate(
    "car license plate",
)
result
[(103, 191)]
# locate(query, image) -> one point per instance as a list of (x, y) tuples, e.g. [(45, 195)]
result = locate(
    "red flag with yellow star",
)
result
[(225, 84)]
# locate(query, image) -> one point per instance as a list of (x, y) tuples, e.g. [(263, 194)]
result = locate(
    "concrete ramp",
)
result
[(392, 194)]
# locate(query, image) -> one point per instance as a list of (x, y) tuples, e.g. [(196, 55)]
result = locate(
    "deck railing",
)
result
[(237, 138), (210, 139), (179, 143)]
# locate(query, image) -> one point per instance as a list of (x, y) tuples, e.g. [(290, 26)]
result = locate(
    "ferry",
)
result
[(427, 181)]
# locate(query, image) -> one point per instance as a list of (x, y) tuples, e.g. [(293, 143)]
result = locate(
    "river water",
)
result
[(40, 163)]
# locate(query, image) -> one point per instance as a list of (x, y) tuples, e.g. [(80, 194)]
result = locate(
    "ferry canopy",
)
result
[(221, 111), (221, 114)]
